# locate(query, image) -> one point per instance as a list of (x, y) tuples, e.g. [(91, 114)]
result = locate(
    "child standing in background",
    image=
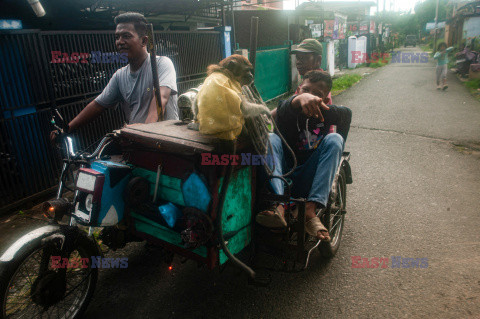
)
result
[(442, 61)]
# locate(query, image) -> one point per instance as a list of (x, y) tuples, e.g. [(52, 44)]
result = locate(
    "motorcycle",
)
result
[(149, 182)]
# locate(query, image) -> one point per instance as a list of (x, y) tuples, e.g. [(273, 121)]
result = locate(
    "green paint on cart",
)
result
[(237, 212)]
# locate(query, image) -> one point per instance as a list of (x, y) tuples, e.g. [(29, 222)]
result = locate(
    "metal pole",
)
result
[(435, 33), (153, 61), (253, 41)]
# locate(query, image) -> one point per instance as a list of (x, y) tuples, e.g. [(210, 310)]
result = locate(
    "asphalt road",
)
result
[(416, 194)]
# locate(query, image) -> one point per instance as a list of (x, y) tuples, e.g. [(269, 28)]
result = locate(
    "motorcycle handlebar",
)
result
[(72, 155), (62, 129)]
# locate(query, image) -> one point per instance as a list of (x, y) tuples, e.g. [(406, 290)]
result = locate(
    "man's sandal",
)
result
[(272, 220), (314, 225)]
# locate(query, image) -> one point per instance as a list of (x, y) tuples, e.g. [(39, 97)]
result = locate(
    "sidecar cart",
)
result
[(182, 170), (178, 174)]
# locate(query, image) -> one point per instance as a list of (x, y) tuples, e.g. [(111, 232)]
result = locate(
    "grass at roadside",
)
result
[(344, 82), (378, 64), (473, 86), (425, 48)]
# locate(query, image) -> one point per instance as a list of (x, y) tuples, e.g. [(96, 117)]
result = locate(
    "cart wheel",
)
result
[(31, 288), (334, 217)]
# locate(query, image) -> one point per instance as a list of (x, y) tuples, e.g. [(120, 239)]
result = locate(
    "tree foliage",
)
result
[(425, 12), (411, 23)]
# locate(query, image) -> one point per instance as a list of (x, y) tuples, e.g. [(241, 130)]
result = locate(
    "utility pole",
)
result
[(435, 34)]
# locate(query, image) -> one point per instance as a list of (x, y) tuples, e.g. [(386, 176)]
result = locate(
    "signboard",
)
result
[(329, 26), (339, 27), (431, 25), (317, 30), (364, 27), (342, 28), (372, 26), (335, 29)]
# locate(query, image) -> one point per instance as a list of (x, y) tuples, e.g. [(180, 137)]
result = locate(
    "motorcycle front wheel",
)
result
[(38, 283)]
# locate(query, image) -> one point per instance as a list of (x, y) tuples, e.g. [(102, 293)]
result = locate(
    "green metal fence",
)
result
[(272, 72)]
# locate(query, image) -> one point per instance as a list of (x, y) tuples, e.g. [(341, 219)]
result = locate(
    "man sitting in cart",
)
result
[(132, 85), (305, 122)]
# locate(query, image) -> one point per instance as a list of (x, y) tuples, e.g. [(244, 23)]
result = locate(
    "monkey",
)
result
[(236, 67), (220, 107)]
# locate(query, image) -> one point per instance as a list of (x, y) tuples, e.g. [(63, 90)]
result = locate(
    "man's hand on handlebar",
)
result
[(57, 133), (310, 105)]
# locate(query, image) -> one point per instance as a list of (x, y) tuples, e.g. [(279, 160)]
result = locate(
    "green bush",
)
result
[(473, 84), (376, 65), (344, 82)]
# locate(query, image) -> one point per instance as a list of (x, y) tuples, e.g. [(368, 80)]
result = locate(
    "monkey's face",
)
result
[(241, 68), (245, 75)]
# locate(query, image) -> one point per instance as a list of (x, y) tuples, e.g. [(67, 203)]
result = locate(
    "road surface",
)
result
[(416, 194)]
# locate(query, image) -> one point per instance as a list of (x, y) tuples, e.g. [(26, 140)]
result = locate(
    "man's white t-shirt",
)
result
[(134, 90)]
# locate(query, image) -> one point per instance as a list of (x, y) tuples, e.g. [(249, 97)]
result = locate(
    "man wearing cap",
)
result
[(308, 57)]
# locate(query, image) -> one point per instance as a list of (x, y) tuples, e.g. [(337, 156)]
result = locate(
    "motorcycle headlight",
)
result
[(89, 203), (91, 182), (89, 186)]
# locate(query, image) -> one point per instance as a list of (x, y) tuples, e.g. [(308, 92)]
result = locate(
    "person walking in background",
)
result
[(442, 61)]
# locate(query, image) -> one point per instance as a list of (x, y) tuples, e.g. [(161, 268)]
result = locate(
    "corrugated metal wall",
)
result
[(30, 85)]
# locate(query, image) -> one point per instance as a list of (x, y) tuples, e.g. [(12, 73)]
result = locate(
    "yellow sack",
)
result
[(218, 104)]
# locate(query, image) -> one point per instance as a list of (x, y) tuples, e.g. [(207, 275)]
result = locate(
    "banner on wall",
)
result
[(372, 26), (335, 29), (364, 27), (339, 27), (353, 27), (341, 30), (329, 27), (317, 30)]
